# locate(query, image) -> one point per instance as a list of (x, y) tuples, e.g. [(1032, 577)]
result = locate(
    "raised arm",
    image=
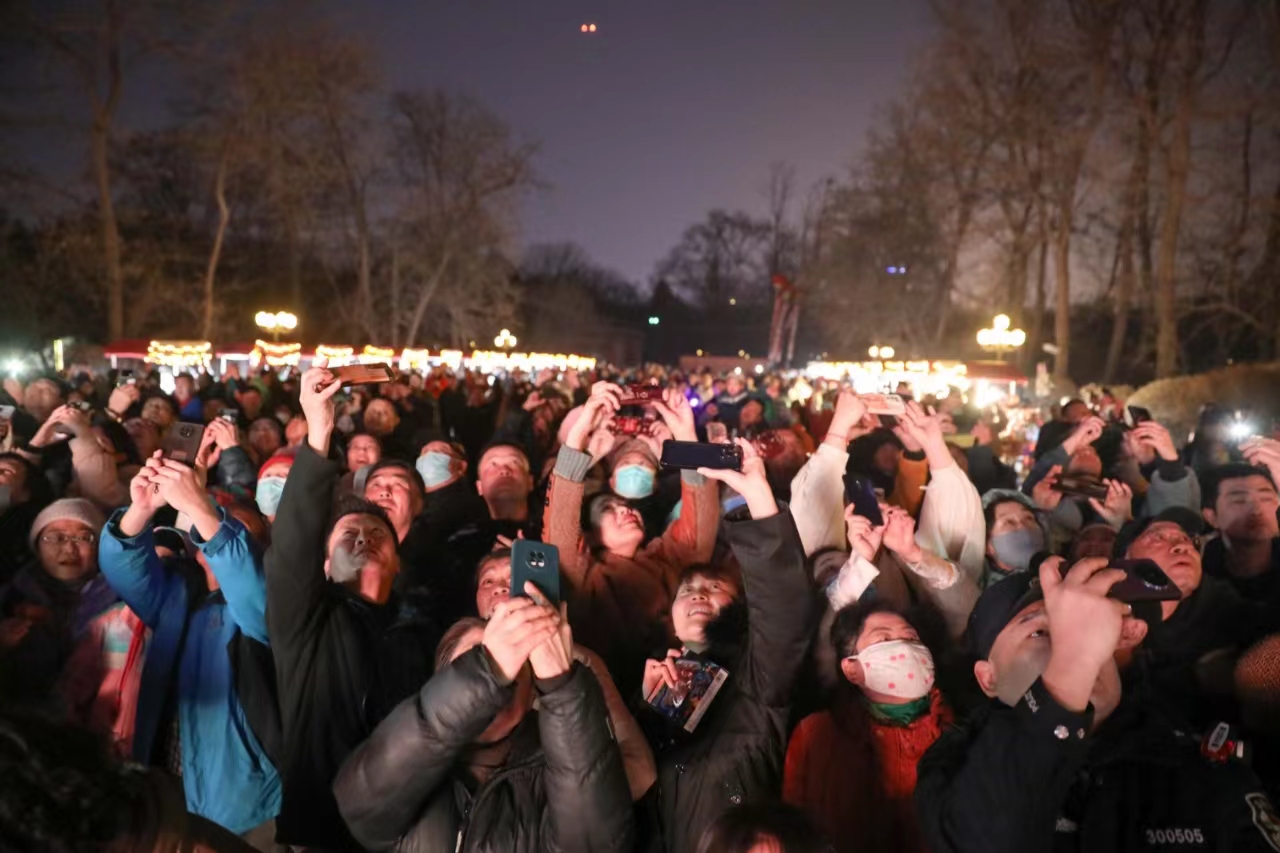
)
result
[(385, 783), (780, 601), (562, 522), (692, 538), (295, 561), (126, 551), (817, 492)]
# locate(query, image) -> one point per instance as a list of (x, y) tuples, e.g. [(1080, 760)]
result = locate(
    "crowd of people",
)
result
[(869, 635)]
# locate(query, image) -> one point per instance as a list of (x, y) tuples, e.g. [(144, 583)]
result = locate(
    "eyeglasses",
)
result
[(57, 540)]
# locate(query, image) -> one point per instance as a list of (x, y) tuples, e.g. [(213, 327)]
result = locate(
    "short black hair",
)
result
[(711, 571), (740, 828), (1219, 474), (850, 621), (494, 445), (356, 505), (452, 636), (989, 511)]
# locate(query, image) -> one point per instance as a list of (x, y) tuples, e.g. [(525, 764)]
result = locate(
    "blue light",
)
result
[(892, 270), (653, 321)]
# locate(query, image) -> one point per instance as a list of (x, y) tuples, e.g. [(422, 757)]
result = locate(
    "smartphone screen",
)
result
[(691, 455), (537, 563), (1139, 415), (861, 492)]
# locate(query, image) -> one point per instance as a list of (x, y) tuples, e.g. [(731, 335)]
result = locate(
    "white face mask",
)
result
[(898, 668)]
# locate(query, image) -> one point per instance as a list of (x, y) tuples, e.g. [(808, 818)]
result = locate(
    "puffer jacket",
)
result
[(561, 787), (736, 754)]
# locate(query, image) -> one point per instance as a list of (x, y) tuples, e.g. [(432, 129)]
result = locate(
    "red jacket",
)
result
[(855, 777)]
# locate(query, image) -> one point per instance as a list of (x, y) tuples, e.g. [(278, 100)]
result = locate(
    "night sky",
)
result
[(669, 109)]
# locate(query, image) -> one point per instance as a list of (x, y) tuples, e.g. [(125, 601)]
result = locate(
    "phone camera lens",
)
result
[(1151, 576)]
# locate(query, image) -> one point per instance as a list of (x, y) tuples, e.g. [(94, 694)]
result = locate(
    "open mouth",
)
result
[(701, 610)]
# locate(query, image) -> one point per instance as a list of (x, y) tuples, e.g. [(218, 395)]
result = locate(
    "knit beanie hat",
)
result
[(282, 457), (67, 509)]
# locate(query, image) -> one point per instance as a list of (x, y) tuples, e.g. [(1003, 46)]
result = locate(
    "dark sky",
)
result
[(669, 109)]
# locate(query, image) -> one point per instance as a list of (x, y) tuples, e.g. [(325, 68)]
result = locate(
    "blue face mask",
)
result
[(1015, 549), (268, 495), (434, 468), (634, 481)]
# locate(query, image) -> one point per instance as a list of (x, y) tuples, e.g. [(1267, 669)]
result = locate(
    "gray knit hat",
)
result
[(67, 509)]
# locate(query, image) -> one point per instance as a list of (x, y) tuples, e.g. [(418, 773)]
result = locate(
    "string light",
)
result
[(275, 354), (179, 354)]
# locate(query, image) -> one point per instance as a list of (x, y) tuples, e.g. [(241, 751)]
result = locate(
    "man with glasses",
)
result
[(52, 599)]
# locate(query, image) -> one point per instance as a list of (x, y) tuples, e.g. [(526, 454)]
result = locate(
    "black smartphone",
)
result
[(1144, 580), (231, 416), (182, 442), (1139, 415), (126, 377), (695, 454), (1074, 486), (861, 492), (537, 563)]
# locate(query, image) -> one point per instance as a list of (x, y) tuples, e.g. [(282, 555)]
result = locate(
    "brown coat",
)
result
[(618, 606)]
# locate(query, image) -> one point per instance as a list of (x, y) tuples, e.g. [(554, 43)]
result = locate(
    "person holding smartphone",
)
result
[(619, 587)]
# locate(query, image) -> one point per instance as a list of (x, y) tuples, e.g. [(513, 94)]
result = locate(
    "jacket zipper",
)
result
[(480, 794)]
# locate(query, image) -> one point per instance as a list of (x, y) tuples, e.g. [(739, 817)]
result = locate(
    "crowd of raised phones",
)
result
[(625, 611)]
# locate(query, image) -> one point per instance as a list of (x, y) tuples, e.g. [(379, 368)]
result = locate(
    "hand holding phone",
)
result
[(362, 374), (861, 493)]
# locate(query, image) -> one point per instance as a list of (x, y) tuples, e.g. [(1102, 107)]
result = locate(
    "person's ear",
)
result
[(1210, 515), (1132, 633), (479, 487), (326, 567), (991, 550), (985, 674), (853, 672)]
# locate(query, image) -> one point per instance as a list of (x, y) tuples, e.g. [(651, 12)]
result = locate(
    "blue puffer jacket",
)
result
[(225, 772)]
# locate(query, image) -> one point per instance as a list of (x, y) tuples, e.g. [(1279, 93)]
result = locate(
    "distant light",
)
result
[(14, 366), (733, 302), (886, 352), (653, 321), (592, 28), (902, 270), (587, 28), (738, 371), (892, 270), (699, 352), (874, 352), (759, 368), (1241, 429)]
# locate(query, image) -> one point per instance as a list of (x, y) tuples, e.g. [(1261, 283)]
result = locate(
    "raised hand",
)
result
[(1043, 493), (864, 538), (1264, 452), (1086, 432), (516, 628), (316, 391), (602, 404), (675, 410), (555, 655), (1150, 434), (144, 497), (750, 482), (900, 535), (122, 399), (1084, 626), (850, 411), (1118, 506)]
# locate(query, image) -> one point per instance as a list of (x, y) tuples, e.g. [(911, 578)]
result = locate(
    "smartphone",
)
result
[(182, 442), (695, 454), (1144, 580), (1075, 486), (363, 374), (717, 433), (231, 416), (884, 404), (538, 563), (83, 405), (861, 492), (639, 395), (126, 377), (1138, 415), (626, 425), (887, 421)]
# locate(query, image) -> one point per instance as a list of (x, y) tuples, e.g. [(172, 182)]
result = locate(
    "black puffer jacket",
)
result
[(736, 753), (562, 786)]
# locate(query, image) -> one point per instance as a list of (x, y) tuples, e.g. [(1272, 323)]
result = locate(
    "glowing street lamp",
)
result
[(281, 321), (505, 340), (881, 352), (1000, 338)]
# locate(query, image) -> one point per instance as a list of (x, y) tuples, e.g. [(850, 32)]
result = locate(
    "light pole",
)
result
[(505, 341), (1000, 338), (281, 321)]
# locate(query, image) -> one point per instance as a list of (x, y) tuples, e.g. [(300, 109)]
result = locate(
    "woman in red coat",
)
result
[(852, 768)]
